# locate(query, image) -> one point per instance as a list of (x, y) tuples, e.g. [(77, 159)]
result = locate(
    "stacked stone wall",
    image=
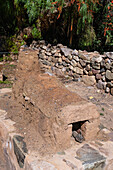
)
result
[(90, 67)]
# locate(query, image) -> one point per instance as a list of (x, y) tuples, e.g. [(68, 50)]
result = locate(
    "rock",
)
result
[(1, 77), (69, 57), (103, 78), (78, 136), (89, 80), (107, 60), (19, 149), (91, 158), (75, 52), (96, 66), (48, 53), (90, 73), (53, 51), (46, 62), (107, 66), (60, 60), (78, 70), (109, 84), (54, 59), (95, 71), (111, 91), (88, 67), (44, 47), (83, 56), (66, 51), (71, 67), (109, 75), (76, 58), (109, 55), (96, 59), (98, 76), (71, 165), (42, 56), (67, 60), (107, 90), (64, 64), (74, 63), (102, 70), (63, 69), (101, 85), (78, 64), (85, 71), (83, 63)]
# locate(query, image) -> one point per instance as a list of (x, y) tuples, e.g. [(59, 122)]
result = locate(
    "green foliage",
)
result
[(5, 82)]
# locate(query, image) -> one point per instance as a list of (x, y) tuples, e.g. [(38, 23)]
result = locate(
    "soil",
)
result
[(25, 122)]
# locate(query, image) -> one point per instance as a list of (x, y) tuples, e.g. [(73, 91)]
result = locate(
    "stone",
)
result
[(19, 149), (90, 73), (74, 63), (53, 51), (44, 47), (60, 60), (88, 67), (98, 76), (78, 136), (46, 62), (107, 90), (111, 91), (79, 65), (76, 58), (89, 80), (101, 85), (109, 75), (103, 78), (75, 52), (1, 77), (91, 158), (48, 53), (96, 59), (71, 165), (69, 57), (71, 67), (83, 63), (66, 51), (64, 64), (109, 84), (109, 55), (96, 66), (67, 60), (85, 71), (95, 71), (50, 58), (78, 70), (42, 56), (63, 69), (54, 59), (107, 66), (102, 70)]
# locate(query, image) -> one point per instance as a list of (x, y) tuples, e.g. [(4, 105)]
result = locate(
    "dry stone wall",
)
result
[(90, 67)]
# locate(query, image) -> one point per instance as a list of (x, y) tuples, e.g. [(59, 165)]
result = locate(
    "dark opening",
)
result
[(78, 131), (77, 125)]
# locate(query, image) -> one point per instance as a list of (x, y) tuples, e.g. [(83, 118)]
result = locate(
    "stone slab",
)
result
[(91, 158)]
